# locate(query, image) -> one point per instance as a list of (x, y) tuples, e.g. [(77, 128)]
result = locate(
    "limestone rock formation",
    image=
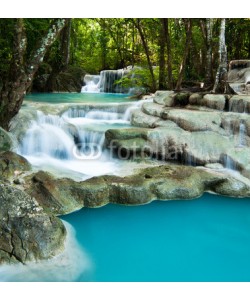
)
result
[(56, 196), (27, 233), (200, 133), (166, 182)]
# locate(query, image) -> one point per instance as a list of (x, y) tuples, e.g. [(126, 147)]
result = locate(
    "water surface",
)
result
[(207, 239), (77, 97)]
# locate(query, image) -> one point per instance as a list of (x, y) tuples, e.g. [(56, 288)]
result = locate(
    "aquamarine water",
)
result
[(77, 97), (207, 239)]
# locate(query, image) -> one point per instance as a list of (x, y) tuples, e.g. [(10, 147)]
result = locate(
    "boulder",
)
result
[(217, 102), (196, 99), (164, 98), (13, 165), (27, 233), (5, 140)]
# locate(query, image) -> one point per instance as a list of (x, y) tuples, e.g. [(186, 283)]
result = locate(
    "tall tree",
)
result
[(65, 44), (139, 27), (162, 47), (22, 69), (188, 28), (222, 68), (169, 53), (209, 36)]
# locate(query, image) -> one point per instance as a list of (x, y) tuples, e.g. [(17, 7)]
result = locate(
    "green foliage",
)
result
[(113, 43), (138, 78), (6, 40)]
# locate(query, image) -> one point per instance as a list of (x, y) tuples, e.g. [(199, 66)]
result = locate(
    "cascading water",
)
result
[(72, 143), (105, 82), (242, 135)]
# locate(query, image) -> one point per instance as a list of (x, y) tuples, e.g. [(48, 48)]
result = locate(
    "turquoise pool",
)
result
[(206, 239)]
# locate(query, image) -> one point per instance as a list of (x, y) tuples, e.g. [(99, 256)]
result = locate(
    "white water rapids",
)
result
[(71, 143)]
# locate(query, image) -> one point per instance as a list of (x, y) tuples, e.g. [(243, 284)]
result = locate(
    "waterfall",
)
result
[(49, 135), (71, 143), (105, 82), (229, 163), (91, 84), (242, 135)]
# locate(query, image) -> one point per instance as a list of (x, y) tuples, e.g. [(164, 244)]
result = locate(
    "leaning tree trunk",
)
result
[(188, 26), (21, 74), (222, 68)]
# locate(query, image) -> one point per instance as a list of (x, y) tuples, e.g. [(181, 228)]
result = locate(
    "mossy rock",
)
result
[(181, 99), (12, 165), (5, 141)]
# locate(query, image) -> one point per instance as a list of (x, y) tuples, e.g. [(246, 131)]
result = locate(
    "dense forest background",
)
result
[(47, 55)]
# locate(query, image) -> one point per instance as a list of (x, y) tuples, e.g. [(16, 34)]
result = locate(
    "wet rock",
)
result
[(27, 233)]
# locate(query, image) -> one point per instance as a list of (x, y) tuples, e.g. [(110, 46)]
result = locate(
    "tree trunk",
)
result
[(222, 68), (169, 53), (188, 26), (65, 45), (21, 75), (162, 44), (209, 36), (145, 46)]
